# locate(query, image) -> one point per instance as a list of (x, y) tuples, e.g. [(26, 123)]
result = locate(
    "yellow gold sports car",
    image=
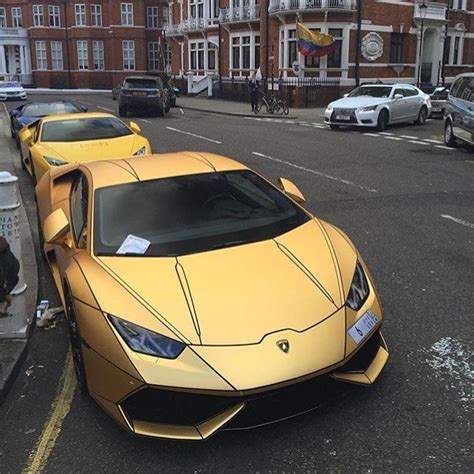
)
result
[(195, 289), (57, 140)]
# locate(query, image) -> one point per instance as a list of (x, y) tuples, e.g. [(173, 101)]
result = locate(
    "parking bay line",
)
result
[(372, 134), (194, 135), (433, 141), (386, 133), (144, 120), (317, 173), (60, 408), (394, 138), (458, 221), (444, 147), (105, 108), (409, 137), (417, 142)]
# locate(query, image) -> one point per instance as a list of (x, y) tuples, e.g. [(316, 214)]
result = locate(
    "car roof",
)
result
[(144, 168), (85, 115)]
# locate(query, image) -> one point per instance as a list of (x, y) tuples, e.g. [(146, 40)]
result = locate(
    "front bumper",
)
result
[(15, 96), (351, 117), (137, 102), (196, 414)]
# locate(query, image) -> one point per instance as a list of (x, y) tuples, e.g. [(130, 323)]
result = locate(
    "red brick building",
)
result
[(84, 43)]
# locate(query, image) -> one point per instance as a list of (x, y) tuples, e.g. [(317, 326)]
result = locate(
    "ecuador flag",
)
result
[(312, 43)]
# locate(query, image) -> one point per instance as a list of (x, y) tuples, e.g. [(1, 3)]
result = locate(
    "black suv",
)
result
[(140, 93)]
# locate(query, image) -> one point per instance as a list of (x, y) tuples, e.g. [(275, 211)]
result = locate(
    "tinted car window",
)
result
[(456, 87), (194, 213), (410, 92), (371, 91), (79, 196), (399, 91), (41, 110), (142, 84), (73, 130), (466, 90)]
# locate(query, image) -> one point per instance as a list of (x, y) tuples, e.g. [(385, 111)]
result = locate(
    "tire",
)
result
[(122, 111), (76, 344), (422, 116), (382, 120), (160, 111), (333, 127), (449, 138)]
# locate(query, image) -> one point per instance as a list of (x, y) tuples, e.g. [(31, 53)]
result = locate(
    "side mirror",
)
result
[(135, 127), (55, 227), (345, 95), (398, 96), (83, 108), (291, 190), (26, 136), (15, 112)]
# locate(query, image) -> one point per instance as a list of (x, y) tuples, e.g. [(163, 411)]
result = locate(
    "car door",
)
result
[(398, 106), (26, 150), (462, 109), (414, 102)]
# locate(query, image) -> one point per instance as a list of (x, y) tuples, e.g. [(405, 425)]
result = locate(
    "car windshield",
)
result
[(193, 213), (10, 85), (374, 91), (141, 84), (41, 110), (73, 130)]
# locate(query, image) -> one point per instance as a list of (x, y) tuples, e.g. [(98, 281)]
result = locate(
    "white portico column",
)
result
[(22, 62), (3, 63)]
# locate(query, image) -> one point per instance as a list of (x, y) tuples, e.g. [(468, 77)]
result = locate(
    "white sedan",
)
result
[(379, 105), (12, 91)]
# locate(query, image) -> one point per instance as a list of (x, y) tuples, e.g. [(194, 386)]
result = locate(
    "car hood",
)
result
[(90, 150), (3, 90), (358, 102), (26, 119), (239, 295)]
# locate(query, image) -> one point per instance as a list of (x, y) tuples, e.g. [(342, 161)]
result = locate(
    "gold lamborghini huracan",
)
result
[(194, 288)]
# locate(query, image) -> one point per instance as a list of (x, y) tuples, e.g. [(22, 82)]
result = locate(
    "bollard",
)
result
[(16, 324)]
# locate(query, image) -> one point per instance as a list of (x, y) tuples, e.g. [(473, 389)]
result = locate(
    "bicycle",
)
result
[(273, 104)]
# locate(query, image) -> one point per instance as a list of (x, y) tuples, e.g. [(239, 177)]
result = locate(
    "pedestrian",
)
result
[(9, 268), (254, 88)]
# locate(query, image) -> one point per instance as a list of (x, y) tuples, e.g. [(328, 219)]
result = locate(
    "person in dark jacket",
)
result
[(254, 89), (9, 268)]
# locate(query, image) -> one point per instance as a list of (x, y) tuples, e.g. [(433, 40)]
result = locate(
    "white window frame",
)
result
[(126, 14), (80, 14), (452, 60), (98, 55), (57, 58), (194, 49), (241, 71), (41, 58), (128, 55), (154, 56), (96, 14), (17, 20), (3, 17), (38, 15), (152, 19), (458, 4), (54, 14), (82, 49)]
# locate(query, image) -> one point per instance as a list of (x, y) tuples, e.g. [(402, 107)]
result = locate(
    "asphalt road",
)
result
[(408, 204)]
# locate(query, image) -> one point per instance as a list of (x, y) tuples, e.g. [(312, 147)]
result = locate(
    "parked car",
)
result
[(25, 114), (140, 93), (10, 90), (438, 98), (163, 264), (379, 105), (58, 140), (459, 115)]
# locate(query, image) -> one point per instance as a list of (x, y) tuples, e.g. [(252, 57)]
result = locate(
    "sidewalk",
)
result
[(242, 109), (13, 351)]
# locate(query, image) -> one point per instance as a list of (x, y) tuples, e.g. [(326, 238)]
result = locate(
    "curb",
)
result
[(234, 114), (13, 351)]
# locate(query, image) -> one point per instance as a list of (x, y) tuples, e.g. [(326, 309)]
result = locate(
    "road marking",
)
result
[(371, 134), (60, 408), (394, 138), (409, 137), (105, 108), (386, 133), (432, 141), (181, 110), (444, 147), (458, 221), (194, 135), (320, 127), (318, 173), (143, 120), (417, 142)]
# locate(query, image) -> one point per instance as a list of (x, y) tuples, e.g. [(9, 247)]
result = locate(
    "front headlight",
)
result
[(55, 161), (145, 341), (140, 152), (370, 108), (329, 108), (359, 289)]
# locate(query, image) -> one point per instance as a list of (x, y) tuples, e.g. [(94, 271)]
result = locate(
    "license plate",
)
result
[(141, 94), (343, 117), (363, 326), (435, 109)]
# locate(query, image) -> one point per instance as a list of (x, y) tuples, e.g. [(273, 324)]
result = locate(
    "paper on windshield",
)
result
[(133, 244)]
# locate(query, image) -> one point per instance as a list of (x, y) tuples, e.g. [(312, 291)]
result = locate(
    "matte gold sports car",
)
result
[(57, 140), (195, 289)]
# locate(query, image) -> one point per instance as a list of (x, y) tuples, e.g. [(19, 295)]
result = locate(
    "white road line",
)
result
[(416, 142), (320, 127), (105, 108), (432, 141), (143, 120), (305, 125), (372, 134), (394, 138), (318, 173), (444, 147), (317, 123), (182, 111), (458, 221), (409, 137), (194, 135), (386, 133)]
